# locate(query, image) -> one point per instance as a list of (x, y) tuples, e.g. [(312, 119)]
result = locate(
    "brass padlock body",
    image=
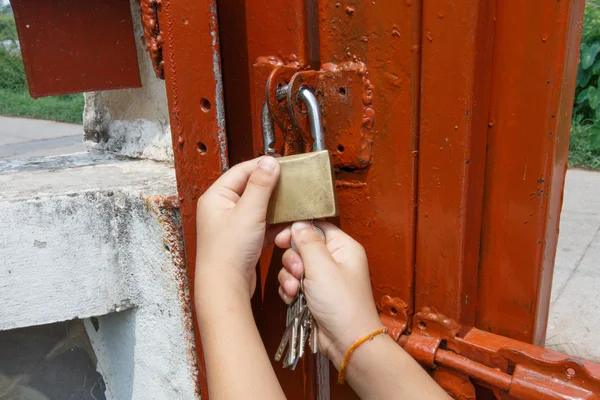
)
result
[(306, 189)]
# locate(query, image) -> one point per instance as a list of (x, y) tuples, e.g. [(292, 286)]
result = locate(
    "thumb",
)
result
[(310, 244), (262, 181)]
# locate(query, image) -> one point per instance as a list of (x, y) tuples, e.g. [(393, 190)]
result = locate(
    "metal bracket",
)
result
[(344, 93), (509, 368)]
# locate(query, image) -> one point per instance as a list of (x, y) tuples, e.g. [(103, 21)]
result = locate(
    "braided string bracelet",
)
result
[(360, 341)]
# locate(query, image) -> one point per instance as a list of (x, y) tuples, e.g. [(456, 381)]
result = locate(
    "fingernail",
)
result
[(268, 164), (301, 225)]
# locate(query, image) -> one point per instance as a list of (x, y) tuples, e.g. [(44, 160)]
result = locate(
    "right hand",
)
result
[(336, 284)]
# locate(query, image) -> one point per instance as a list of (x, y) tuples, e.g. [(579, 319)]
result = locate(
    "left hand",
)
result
[(231, 226)]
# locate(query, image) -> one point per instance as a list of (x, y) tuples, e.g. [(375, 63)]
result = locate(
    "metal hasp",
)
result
[(73, 46), (510, 369), (306, 187)]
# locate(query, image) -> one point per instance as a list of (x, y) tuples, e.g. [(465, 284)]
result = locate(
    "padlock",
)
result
[(306, 187)]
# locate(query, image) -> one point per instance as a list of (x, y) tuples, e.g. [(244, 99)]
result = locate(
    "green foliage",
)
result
[(12, 71), (68, 108), (8, 29), (585, 134), (6, 9), (580, 151)]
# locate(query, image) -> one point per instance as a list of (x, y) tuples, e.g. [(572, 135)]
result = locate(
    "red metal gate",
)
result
[(448, 122), (450, 171)]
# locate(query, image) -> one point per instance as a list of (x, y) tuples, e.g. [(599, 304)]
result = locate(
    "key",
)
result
[(292, 354), (314, 328), (314, 333), (301, 327), (297, 313), (303, 335), (290, 336)]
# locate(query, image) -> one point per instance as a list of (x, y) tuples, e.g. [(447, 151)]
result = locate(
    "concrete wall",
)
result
[(131, 122), (91, 235)]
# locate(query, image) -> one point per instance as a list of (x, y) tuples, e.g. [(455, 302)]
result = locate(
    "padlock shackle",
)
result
[(314, 117)]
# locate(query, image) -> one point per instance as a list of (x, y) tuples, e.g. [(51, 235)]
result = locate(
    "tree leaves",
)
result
[(588, 54), (586, 110), (593, 97)]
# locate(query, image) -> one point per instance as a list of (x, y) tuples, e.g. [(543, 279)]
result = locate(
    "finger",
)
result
[(286, 299), (261, 183), (272, 232), (237, 177), (283, 240), (288, 283), (309, 244), (341, 246), (332, 232), (292, 262)]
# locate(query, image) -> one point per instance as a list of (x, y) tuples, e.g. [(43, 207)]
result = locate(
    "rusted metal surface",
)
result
[(456, 66), (509, 368), (73, 46), (194, 89), (152, 35), (529, 124), (167, 210)]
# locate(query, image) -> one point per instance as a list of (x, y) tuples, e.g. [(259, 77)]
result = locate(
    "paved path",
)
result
[(23, 137), (574, 323)]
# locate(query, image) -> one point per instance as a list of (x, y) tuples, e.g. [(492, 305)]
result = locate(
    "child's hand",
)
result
[(231, 226), (336, 284)]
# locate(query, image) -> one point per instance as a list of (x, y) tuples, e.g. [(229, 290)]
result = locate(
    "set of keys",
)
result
[(301, 327)]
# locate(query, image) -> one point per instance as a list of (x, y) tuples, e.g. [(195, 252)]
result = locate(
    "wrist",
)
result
[(342, 346), (366, 356), (220, 276), (216, 294)]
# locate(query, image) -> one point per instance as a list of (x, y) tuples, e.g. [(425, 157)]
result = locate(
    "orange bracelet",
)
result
[(351, 350)]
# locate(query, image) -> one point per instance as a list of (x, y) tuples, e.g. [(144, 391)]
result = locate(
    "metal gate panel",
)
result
[(385, 36), (536, 49), (195, 93), (456, 65), (73, 46)]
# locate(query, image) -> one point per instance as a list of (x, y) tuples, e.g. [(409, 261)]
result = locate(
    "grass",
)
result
[(68, 108), (580, 152)]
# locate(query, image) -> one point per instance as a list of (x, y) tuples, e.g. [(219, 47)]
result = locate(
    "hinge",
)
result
[(509, 368)]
